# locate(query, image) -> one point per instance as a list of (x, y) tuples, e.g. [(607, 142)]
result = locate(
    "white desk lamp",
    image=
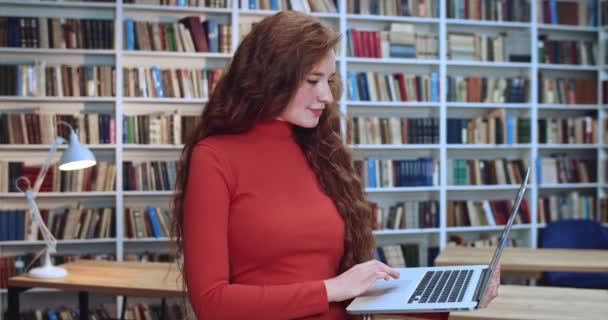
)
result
[(75, 157)]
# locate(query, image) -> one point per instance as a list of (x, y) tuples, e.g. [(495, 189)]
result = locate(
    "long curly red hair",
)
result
[(268, 67)]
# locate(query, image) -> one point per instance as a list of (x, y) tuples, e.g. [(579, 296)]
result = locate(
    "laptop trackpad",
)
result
[(382, 287)]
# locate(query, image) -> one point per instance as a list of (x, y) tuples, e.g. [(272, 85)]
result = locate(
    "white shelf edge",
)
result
[(568, 185), (568, 106), (62, 4), (59, 242), (57, 99), (488, 23), (106, 52), (570, 67), (127, 146), (174, 54), (84, 194), (185, 9), (146, 193), (146, 240), (472, 146), (483, 187), (568, 146), (401, 189), (489, 64), (556, 27), (393, 146), (163, 100), (371, 17), (506, 105), (391, 104), (47, 147), (486, 228), (399, 61), (393, 232)]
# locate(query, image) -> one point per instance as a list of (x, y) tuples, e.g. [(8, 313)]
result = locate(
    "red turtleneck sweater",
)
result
[(259, 235)]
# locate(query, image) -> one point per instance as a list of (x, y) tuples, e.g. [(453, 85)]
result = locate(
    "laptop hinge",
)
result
[(480, 284)]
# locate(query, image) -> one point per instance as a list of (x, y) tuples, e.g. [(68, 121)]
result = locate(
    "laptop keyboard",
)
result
[(442, 286)]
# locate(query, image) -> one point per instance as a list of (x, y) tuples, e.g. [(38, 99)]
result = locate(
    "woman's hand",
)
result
[(357, 279), (492, 289)]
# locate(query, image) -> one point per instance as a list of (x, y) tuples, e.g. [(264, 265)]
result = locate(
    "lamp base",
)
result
[(48, 272)]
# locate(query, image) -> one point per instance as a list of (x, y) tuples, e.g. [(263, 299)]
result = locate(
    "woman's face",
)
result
[(312, 95)]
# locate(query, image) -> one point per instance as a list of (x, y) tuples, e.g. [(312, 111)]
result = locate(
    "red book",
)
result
[(193, 23)]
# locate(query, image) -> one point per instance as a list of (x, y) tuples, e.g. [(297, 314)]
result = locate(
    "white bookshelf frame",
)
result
[(439, 192)]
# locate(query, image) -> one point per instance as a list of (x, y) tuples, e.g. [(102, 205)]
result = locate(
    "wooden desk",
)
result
[(541, 303), (149, 279), (527, 261)]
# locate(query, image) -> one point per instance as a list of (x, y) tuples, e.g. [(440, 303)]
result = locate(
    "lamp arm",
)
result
[(47, 164), (49, 239)]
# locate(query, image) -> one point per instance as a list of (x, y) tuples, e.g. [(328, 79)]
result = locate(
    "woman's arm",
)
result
[(206, 258)]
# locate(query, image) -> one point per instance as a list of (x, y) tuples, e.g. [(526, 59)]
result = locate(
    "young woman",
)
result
[(269, 213)]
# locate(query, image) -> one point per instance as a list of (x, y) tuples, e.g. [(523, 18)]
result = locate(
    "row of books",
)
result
[(486, 172), (406, 215), (176, 37), (399, 255), (566, 51), (101, 177), (138, 311), (572, 130), (149, 175), (567, 91), (42, 128), (572, 205), (477, 89), (373, 86), (388, 173), (150, 222), (485, 241), (400, 42), (564, 169), (475, 213), (183, 3), (493, 128), (56, 33), (308, 6), (575, 13), (476, 47), (158, 128), (404, 8), (76, 223), (170, 83), (38, 80), (375, 130), (493, 10)]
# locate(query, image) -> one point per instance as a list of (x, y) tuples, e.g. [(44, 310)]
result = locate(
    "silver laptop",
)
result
[(435, 289)]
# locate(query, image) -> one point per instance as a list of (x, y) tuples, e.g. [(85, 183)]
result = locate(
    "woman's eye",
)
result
[(313, 82)]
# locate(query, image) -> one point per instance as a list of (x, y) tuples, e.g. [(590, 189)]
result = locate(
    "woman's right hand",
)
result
[(357, 279)]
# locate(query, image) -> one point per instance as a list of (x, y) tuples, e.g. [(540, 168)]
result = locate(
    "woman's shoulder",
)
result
[(222, 144)]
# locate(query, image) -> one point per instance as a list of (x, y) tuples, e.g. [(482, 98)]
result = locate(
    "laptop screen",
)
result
[(505, 233)]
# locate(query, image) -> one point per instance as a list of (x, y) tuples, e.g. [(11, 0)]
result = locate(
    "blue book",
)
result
[(371, 172), (158, 81), (434, 87), (52, 315), (19, 81), (402, 51), (553, 8), (130, 33), (182, 3), (252, 5), (352, 86), (274, 4), (539, 172), (4, 228), (154, 222), (19, 224), (510, 129)]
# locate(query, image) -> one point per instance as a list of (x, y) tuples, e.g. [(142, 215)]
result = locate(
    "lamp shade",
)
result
[(76, 156)]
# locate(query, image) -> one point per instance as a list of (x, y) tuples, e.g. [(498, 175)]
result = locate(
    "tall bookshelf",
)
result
[(523, 34)]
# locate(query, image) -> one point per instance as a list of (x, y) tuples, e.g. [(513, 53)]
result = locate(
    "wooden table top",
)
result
[(541, 303), (527, 259), (144, 279)]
